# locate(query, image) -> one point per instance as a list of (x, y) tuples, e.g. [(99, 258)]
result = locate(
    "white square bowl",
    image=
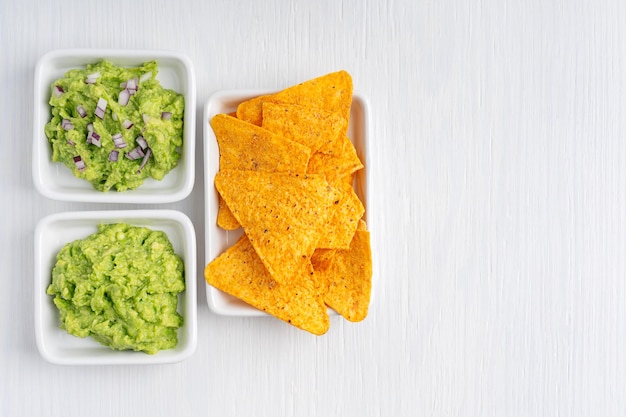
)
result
[(217, 240), (54, 231), (55, 181)]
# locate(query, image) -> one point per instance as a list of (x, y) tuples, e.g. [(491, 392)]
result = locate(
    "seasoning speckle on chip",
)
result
[(286, 178)]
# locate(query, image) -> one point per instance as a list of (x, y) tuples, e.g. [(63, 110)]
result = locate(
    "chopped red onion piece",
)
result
[(124, 97), (118, 140), (127, 124), (80, 164), (58, 91), (135, 153), (90, 127), (123, 84), (67, 125), (145, 118), (132, 84), (166, 115), (141, 141), (94, 139), (101, 107), (145, 160), (70, 142), (81, 111), (146, 76), (91, 78), (113, 155)]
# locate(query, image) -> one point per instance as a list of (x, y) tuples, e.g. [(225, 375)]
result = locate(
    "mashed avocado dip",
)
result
[(120, 287), (115, 126)]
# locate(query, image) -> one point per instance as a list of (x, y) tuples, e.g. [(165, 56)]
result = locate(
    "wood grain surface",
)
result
[(497, 209)]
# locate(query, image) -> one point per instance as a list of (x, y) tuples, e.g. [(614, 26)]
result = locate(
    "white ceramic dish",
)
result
[(55, 181), (218, 240), (54, 231)]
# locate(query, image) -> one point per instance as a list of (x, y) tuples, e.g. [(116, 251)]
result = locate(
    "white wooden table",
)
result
[(497, 209)]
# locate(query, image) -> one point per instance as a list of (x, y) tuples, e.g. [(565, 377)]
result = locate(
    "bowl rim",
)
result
[(139, 195), (237, 95), (189, 310)]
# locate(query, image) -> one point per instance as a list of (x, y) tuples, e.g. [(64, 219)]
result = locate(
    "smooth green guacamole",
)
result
[(120, 287), (115, 126)]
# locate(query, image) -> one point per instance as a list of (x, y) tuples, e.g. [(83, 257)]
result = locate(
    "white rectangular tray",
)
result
[(217, 240)]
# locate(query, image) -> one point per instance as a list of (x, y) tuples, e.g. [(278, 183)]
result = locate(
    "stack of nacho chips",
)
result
[(286, 177)]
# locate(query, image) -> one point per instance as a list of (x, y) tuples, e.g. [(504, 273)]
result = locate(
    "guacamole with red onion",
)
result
[(120, 286), (115, 126)]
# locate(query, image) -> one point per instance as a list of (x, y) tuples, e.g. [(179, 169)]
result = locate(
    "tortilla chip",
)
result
[(283, 214), (287, 175), (225, 218), (332, 92), (318, 129), (337, 165), (349, 279), (322, 258), (348, 179), (241, 273), (246, 146), (251, 110), (345, 213)]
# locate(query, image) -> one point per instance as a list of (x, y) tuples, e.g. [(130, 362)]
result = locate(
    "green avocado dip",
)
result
[(120, 287), (115, 126)]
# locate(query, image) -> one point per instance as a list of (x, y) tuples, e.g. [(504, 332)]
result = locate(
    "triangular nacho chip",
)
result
[(283, 214), (349, 278), (318, 129), (251, 110), (246, 146), (337, 165), (345, 213), (241, 273), (332, 92), (225, 218)]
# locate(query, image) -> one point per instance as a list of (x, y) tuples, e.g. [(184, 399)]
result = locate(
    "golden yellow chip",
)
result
[(246, 146), (318, 129), (241, 273), (225, 218), (322, 258), (251, 110), (348, 179), (283, 214), (349, 278), (336, 166), (286, 175), (345, 213), (331, 92)]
